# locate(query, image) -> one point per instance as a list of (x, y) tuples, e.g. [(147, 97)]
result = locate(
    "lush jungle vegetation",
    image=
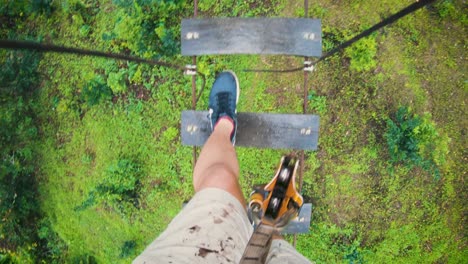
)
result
[(91, 164)]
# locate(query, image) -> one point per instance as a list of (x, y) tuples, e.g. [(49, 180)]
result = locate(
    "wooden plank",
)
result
[(288, 36), (261, 130)]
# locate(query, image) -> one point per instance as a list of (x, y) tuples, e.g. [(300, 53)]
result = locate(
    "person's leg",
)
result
[(217, 165), (213, 227)]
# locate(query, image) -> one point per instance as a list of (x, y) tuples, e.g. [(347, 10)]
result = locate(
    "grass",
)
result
[(86, 140), (365, 208), (105, 136), (394, 215)]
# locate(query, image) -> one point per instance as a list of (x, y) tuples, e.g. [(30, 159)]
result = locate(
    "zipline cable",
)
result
[(406, 11), (29, 45)]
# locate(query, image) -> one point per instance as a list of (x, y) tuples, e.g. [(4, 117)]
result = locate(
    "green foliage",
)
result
[(414, 244), (330, 244), (246, 8), (19, 74), (84, 259), (414, 141), (362, 54), (6, 258), (14, 9), (122, 179), (42, 6), (316, 10), (51, 247), (85, 30), (117, 81), (354, 257), (137, 29), (401, 140), (128, 249), (332, 37), (76, 144), (120, 187), (90, 201), (318, 103), (18, 133), (95, 92), (448, 9)]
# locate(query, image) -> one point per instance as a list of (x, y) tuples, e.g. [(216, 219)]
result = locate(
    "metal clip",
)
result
[(308, 66), (190, 69)]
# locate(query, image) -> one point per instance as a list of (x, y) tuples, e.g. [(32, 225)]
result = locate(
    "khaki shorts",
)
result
[(212, 228)]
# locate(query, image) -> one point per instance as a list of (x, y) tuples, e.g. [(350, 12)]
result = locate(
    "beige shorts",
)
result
[(212, 228)]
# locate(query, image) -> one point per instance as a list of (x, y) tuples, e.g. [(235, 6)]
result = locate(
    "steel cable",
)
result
[(389, 20), (29, 45)]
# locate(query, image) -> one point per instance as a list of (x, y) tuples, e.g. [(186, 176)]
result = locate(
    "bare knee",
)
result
[(216, 175), (221, 177)]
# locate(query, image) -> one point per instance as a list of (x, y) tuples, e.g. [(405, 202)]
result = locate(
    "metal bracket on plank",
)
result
[(192, 35), (190, 69), (286, 36), (308, 66), (260, 130)]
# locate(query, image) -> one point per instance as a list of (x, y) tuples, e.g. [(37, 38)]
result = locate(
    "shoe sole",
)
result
[(237, 86)]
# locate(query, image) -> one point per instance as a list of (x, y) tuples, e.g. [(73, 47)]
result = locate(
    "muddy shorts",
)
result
[(212, 228)]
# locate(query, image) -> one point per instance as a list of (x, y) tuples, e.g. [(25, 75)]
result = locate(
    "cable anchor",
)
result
[(190, 69), (308, 66)]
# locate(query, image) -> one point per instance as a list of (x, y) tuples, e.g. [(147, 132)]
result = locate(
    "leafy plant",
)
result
[(137, 30), (362, 54), (119, 187), (332, 37), (18, 135), (95, 92), (445, 9), (51, 247), (117, 81), (449, 9), (122, 179), (354, 257), (21, 8), (128, 248), (414, 141), (318, 103)]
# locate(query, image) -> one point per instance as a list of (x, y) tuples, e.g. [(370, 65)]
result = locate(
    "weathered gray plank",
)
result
[(288, 36), (300, 224), (276, 131)]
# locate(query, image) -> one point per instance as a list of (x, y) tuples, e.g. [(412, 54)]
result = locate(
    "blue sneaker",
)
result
[(223, 100)]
